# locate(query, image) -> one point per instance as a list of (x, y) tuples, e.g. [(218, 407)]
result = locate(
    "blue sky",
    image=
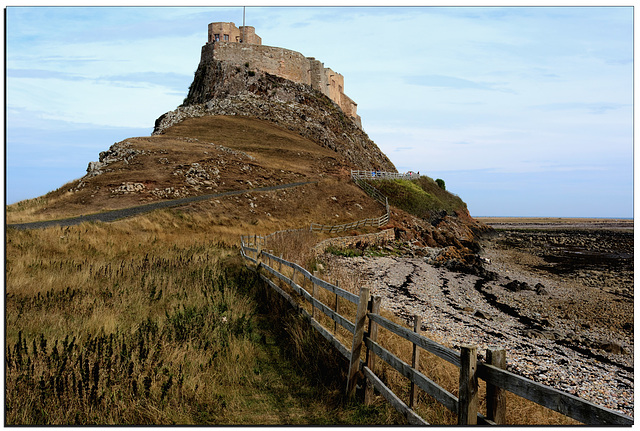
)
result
[(523, 111)]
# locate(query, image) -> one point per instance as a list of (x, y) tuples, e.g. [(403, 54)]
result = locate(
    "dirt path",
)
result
[(110, 216)]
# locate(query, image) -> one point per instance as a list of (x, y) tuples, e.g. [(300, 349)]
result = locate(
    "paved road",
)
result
[(109, 216)]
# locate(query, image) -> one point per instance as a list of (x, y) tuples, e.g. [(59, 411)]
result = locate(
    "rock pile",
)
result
[(198, 175), (120, 151), (126, 188)]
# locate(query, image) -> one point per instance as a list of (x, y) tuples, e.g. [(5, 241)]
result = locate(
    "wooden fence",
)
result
[(364, 328), (358, 177), (375, 222), (378, 175)]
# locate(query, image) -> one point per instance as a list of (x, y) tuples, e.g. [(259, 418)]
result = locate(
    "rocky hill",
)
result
[(239, 129), (224, 88)]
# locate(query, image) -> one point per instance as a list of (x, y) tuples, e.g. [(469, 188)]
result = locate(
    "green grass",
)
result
[(344, 252), (421, 197), (368, 251)]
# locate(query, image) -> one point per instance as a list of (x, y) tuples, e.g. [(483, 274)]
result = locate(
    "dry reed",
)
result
[(155, 320)]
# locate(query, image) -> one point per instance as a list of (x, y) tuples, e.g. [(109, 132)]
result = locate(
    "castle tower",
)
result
[(228, 32)]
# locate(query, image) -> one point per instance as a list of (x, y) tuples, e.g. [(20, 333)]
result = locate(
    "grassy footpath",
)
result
[(155, 320)]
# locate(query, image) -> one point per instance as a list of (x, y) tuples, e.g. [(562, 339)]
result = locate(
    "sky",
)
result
[(522, 111)]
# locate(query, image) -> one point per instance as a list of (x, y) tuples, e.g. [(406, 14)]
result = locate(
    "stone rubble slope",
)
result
[(221, 88)]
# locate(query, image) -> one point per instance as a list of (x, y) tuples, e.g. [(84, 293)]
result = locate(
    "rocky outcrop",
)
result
[(222, 88), (120, 151)]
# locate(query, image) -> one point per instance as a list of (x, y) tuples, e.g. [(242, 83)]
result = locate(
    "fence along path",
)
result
[(493, 371), (358, 177), (471, 369)]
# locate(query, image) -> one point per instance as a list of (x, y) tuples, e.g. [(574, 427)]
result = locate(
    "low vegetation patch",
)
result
[(423, 197), (344, 251)]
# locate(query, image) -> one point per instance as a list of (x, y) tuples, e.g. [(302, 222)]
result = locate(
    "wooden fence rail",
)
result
[(471, 369), (378, 175), (357, 177), (371, 191), (374, 222)]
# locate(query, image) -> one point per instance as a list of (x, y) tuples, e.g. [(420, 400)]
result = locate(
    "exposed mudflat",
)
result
[(546, 223), (559, 300)]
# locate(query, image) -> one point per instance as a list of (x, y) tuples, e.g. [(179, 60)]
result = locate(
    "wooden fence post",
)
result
[(258, 251), (336, 309), (468, 386), (415, 360), (314, 293), (496, 397), (356, 346), (371, 357)]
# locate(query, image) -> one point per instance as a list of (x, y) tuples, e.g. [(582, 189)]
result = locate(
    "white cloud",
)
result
[(92, 102)]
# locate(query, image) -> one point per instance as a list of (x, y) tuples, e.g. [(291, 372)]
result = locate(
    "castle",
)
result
[(242, 46), (228, 32)]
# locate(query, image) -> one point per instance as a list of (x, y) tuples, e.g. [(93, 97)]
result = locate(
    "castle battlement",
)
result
[(228, 32), (224, 44)]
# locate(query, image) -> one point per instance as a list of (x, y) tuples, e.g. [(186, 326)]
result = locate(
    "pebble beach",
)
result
[(568, 327)]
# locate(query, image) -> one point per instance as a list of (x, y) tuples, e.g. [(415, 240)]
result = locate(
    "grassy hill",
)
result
[(229, 153), (154, 319), (421, 197)]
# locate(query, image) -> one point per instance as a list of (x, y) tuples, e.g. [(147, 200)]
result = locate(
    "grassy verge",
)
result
[(421, 197), (155, 321)]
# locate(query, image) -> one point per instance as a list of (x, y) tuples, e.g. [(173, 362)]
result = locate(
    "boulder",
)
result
[(540, 289), (483, 315), (517, 286)]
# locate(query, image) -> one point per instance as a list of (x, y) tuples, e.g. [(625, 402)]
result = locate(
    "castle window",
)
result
[(216, 37), (226, 37)]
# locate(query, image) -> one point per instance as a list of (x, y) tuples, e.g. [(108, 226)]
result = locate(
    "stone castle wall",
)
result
[(281, 62)]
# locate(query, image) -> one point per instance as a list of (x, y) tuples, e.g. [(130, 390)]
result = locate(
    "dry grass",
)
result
[(151, 321), (101, 317), (246, 153)]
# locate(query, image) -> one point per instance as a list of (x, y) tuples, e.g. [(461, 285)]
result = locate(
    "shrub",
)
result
[(440, 183)]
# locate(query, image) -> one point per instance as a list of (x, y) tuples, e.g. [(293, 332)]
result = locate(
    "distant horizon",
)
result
[(561, 218), (490, 99)]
